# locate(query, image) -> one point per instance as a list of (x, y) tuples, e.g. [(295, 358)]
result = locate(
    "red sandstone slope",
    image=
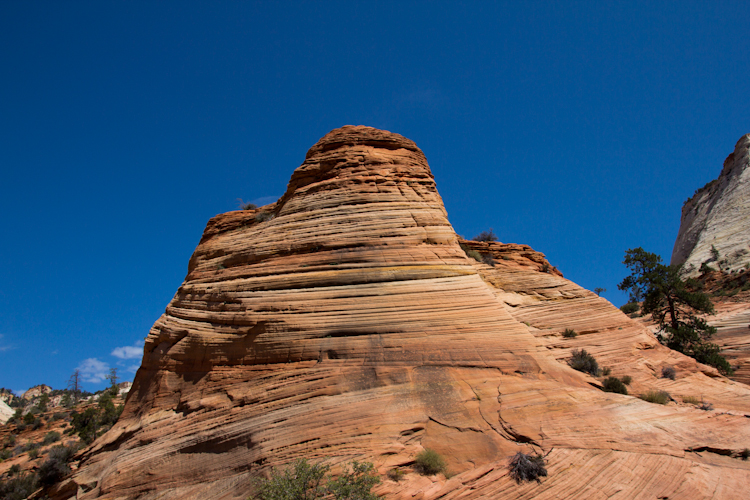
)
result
[(351, 325)]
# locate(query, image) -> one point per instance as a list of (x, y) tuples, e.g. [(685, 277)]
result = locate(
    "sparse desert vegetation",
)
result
[(583, 362), (527, 467)]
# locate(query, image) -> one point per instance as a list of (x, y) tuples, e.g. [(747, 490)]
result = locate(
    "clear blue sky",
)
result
[(578, 128)]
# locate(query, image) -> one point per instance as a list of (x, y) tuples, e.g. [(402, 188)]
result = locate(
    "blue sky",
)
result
[(578, 128)]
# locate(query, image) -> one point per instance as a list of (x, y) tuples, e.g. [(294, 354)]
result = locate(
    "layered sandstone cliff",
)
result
[(718, 217), (345, 322)]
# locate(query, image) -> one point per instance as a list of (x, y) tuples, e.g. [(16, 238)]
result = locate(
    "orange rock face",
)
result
[(345, 322)]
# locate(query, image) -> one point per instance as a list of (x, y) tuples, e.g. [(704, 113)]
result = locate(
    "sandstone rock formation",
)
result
[(345, 322), (5, 412), (36, 391), (718, 216)]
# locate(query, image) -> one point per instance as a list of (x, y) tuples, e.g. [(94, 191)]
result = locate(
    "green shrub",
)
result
[(10, 441), (20, 487), (5, 455), (614, 384), (304, 481), (583, 362), (626, 379), (668, 372), (56, 465), (354, 484), (691, 400), (474, 255), (569, 333), (658, 397), (429, 462), (263, 216), (745, 454), (606, 370), (299, 482), (50, 438), (630, 308), (525, 467), (34, 453), (395, 474)]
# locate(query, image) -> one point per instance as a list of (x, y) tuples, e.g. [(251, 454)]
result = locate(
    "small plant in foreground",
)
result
[(354, 484), (429, 462), (745, 454), (525, 467), (626, 379), (691, 400), (395, 474), (569, 333), (706, 407), (658, 397), (263, 216), (606, 370), (304, 481), (583, 362), (668, 372), (614, 384)]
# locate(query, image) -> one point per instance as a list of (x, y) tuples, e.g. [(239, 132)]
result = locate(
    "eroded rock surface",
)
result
[(718, 217), (345, 322)]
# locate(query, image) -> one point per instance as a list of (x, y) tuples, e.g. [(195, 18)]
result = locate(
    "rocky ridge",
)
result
[(345, 322), (718, 217)]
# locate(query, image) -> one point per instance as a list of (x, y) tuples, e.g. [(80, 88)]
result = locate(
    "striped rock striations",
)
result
[(718, 217), (345, 322)]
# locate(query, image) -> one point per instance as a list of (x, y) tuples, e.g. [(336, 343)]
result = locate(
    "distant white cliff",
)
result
[(715, 224)]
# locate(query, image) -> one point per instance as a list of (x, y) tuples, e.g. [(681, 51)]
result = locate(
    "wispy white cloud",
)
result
[(4, 347), (265, 200), (129, 351), (92, 370), (132, 368)]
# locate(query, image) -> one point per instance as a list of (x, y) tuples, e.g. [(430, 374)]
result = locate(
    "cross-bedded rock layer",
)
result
[(345, 322)]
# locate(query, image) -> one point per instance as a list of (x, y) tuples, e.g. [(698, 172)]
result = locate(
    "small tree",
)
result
[(599, 290), (673, 303), (486, 236), (112, 377)]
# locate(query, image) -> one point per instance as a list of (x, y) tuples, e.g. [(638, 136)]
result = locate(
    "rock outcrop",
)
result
[(346, 322), (5, 412), (715, 224), (36, 391)]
